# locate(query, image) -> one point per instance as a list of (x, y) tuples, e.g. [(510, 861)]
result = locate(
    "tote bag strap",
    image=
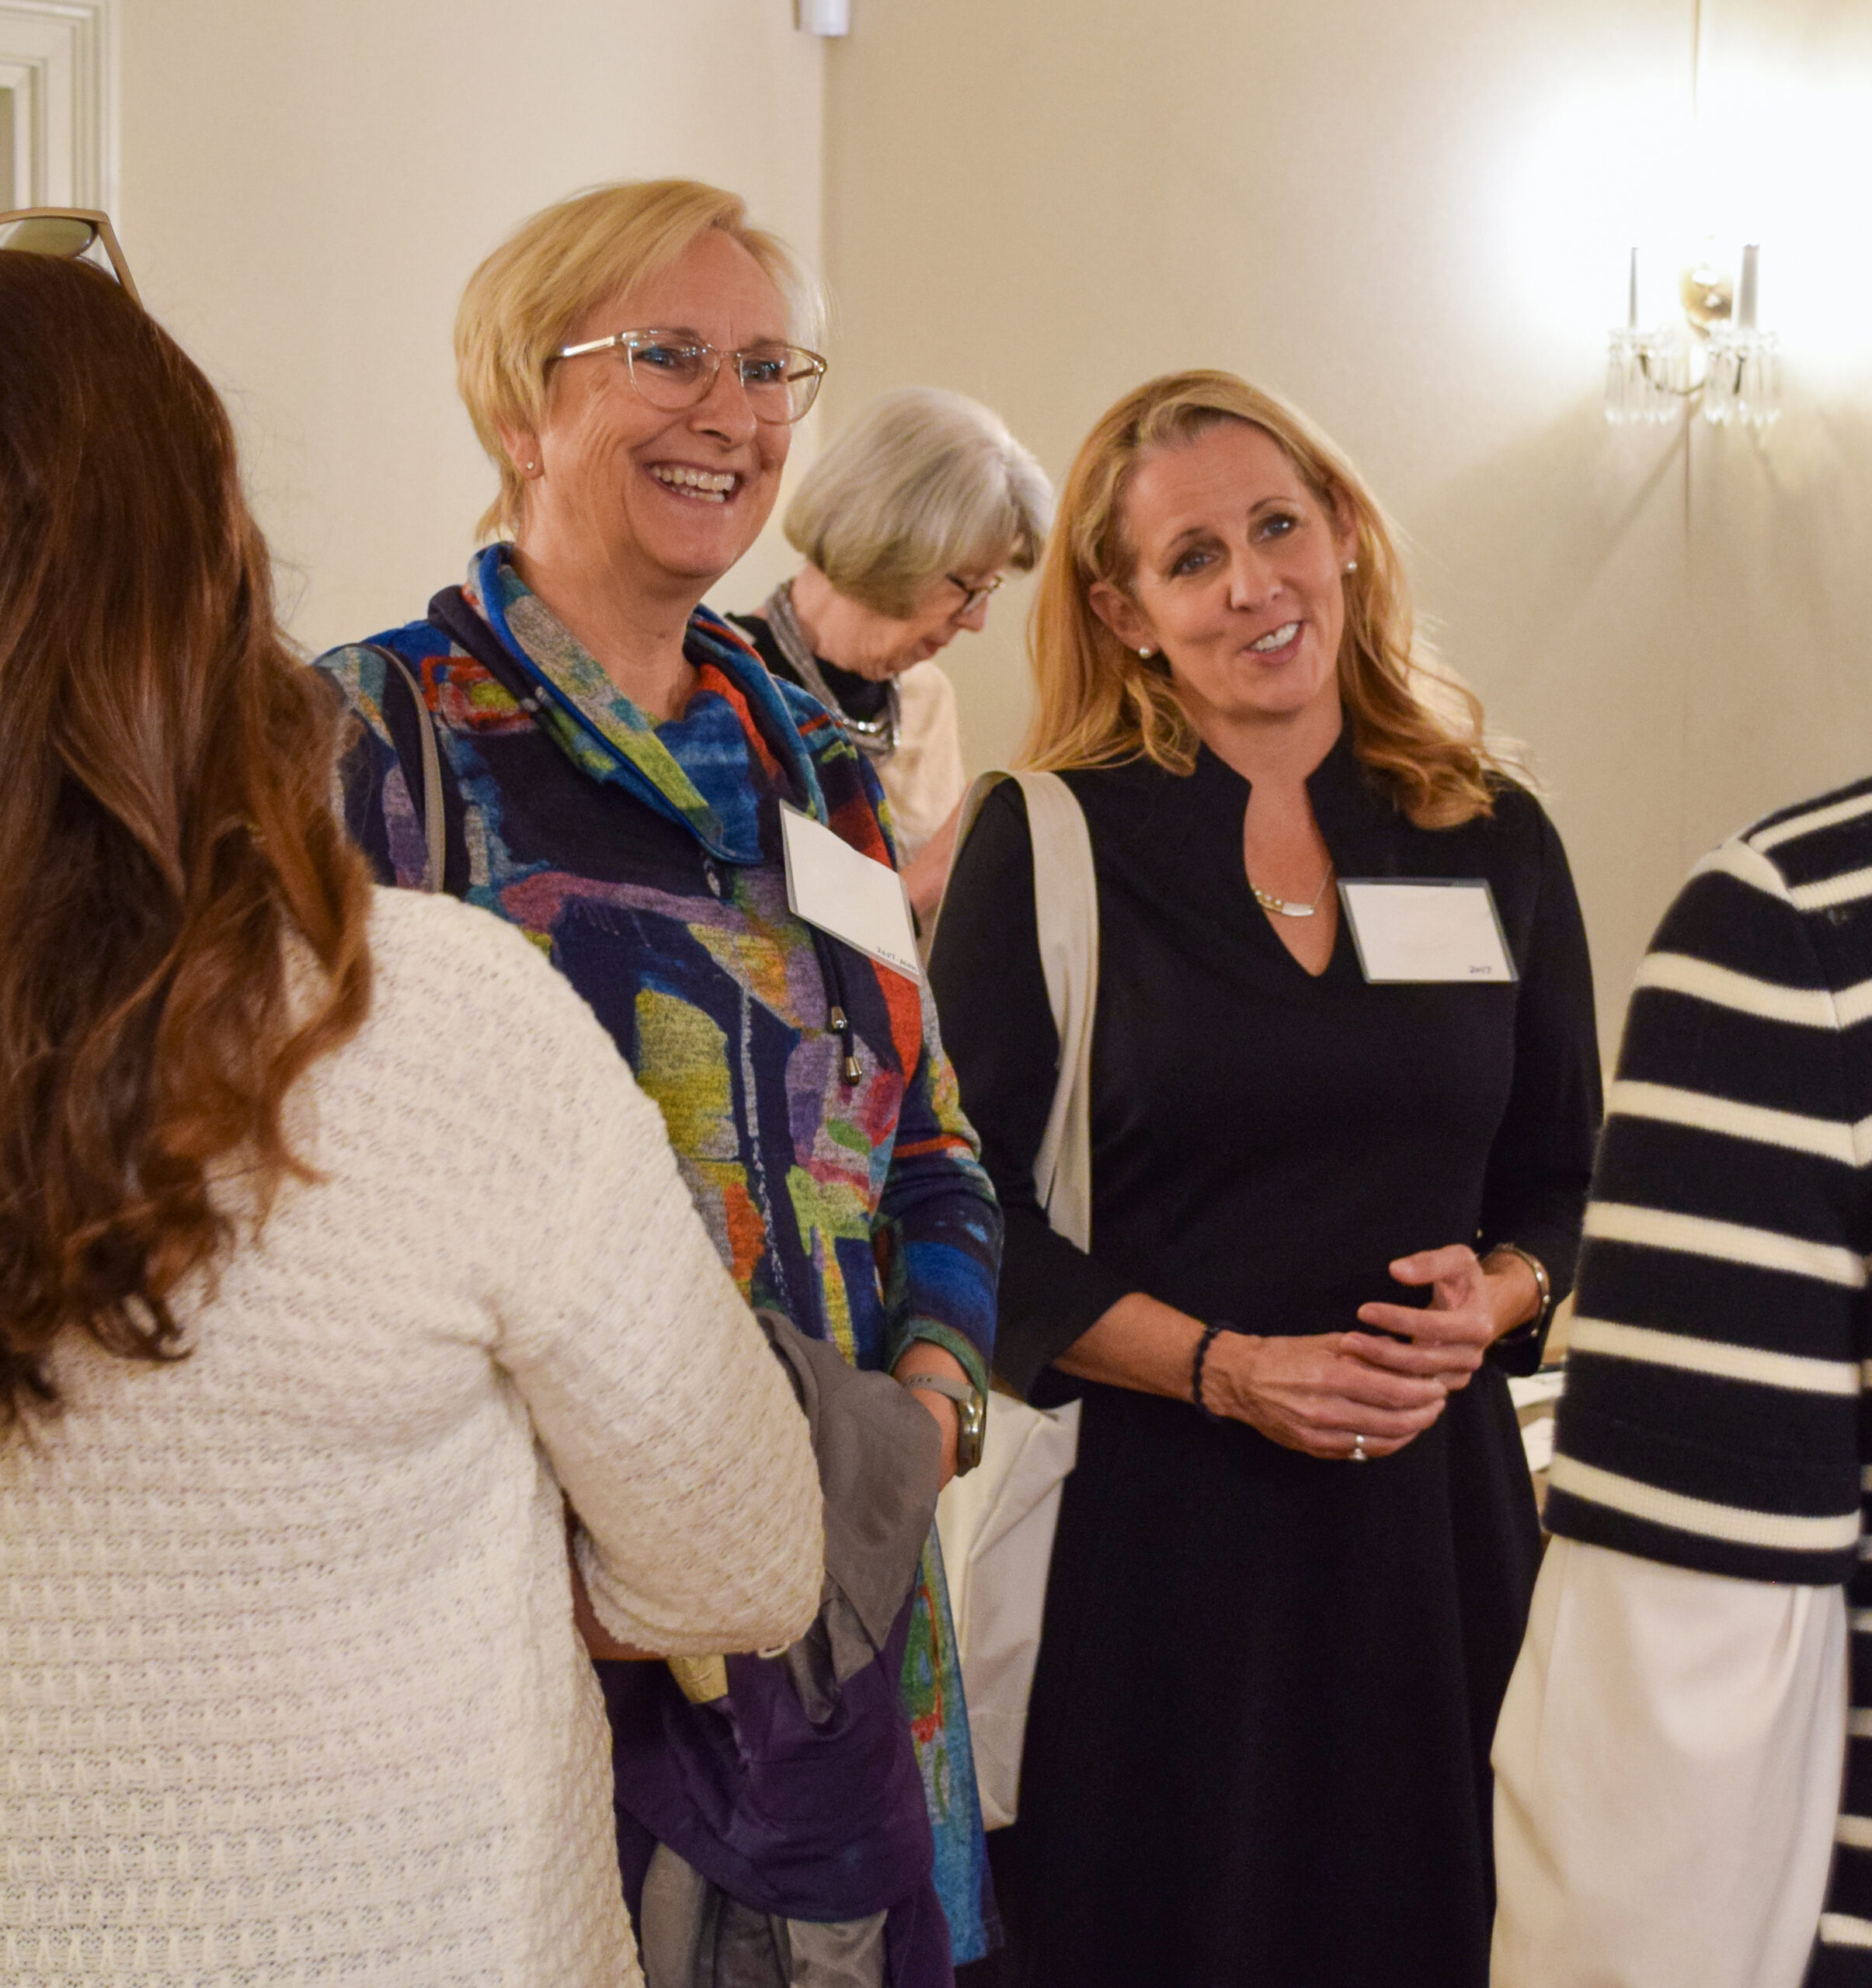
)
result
[(1065, 912), (998, 1524), (434, 824)]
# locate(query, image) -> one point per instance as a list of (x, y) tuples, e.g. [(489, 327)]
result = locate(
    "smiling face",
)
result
[(1238, 579), (666, 502)]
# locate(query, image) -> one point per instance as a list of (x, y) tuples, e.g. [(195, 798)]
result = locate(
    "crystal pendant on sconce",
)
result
[(1647, 374), (1716, 354), (1624, 378), (1742, 385)]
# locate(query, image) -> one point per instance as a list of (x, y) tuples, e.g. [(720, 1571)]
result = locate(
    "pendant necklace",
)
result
[(1290, 907), (875, 737)]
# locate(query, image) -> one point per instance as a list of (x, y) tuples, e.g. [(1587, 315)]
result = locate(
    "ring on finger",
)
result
[(1358, 1451)]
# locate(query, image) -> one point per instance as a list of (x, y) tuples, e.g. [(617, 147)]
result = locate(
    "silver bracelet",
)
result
[(1542, 1283)]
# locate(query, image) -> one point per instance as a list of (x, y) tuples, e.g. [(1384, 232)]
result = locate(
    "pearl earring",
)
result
[(1146, 651), (531, 468), (1352, 565)]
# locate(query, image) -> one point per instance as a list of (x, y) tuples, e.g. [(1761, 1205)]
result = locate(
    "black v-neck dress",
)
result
[(1257, 1753)]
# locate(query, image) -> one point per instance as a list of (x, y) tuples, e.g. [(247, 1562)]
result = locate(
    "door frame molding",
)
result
[(58, 59)]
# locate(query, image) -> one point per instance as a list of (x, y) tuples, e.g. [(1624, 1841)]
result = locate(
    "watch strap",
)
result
[(972, 1421), (940, 1384)]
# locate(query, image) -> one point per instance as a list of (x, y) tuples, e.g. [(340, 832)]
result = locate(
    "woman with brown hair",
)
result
[(338, 1249), (1340, 1139)]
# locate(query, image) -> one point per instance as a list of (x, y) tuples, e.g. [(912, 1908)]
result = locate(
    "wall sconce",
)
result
[(825, 17), (1650, 375)]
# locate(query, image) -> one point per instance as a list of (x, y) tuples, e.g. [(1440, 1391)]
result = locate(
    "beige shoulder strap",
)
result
[(1065, 910)]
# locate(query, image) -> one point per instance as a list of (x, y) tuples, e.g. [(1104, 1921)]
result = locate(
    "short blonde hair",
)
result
[(520, 303), (924, 483), (1413, 723)]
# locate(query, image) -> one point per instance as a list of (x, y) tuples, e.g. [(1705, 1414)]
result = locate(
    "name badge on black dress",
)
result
[(1425, 928)]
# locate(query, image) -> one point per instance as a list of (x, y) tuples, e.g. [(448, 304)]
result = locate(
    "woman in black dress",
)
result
[(1293, 1563)]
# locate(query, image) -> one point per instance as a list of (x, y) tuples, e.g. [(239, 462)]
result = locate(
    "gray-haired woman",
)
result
[(907, 524)]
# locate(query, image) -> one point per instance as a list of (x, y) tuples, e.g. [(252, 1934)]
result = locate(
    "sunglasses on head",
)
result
[(70, 232)]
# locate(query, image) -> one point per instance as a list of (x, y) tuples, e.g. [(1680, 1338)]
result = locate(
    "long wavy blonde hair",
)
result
[(1415, 726)]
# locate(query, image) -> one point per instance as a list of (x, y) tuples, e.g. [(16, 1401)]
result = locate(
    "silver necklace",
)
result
[(876, 736), (1290, 907)]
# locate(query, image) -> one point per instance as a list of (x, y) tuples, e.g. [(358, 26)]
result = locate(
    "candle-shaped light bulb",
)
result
[(1745, 296), (1631, 302)]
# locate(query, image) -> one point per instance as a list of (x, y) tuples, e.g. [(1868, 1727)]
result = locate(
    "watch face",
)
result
[(970, 1426)]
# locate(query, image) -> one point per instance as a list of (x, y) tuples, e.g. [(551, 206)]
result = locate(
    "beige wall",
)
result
[(306, 189), (1411, 218)]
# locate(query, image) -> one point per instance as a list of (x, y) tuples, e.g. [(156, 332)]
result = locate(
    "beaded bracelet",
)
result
[(1195, 1371)]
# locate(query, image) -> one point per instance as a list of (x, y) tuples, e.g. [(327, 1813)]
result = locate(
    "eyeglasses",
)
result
[(972, 597), (69, 232), (672, 371)]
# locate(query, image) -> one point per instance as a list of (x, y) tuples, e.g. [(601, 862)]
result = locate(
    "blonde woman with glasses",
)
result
[(908, 524), (1344, 1087), (599, 760)]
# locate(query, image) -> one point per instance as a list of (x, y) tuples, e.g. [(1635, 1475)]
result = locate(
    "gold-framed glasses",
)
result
[(70, 232), (675, 370), (973, 597)]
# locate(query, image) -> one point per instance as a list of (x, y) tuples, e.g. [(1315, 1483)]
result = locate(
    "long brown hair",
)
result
[(1414, 725), (166, 838)]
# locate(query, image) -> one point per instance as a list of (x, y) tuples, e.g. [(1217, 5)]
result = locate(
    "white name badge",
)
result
[(846, 893), (1426, 929)]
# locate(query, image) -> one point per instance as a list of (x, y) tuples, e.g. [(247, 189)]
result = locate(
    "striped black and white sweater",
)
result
[(1716, 1416)]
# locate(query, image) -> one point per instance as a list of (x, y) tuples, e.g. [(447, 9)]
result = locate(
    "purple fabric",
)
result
[(803, 1821)]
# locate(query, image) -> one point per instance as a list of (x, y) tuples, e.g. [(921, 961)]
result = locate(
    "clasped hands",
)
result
[(1318, 1392)]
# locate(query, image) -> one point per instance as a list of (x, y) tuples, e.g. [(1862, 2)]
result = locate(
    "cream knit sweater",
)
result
[(290, 1691)]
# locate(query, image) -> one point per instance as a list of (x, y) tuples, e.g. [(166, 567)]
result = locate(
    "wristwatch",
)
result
[(971, 1415)]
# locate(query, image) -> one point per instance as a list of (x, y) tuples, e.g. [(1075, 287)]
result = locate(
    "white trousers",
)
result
[(1668, 1770)]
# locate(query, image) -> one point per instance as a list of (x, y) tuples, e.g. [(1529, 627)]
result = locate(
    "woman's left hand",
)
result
[(1471, 1305)]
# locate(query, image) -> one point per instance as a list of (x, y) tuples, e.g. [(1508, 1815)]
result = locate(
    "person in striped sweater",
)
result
[(1684, 1761)]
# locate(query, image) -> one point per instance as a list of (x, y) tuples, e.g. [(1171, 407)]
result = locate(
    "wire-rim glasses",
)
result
[(69, 233), (675, 370), (973, 597)]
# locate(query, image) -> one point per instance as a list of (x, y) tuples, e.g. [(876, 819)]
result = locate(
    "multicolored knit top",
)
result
[(645, 859)]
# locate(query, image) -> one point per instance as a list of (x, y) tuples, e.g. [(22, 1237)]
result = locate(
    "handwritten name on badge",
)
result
[(848, 893), (1426, 930)]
